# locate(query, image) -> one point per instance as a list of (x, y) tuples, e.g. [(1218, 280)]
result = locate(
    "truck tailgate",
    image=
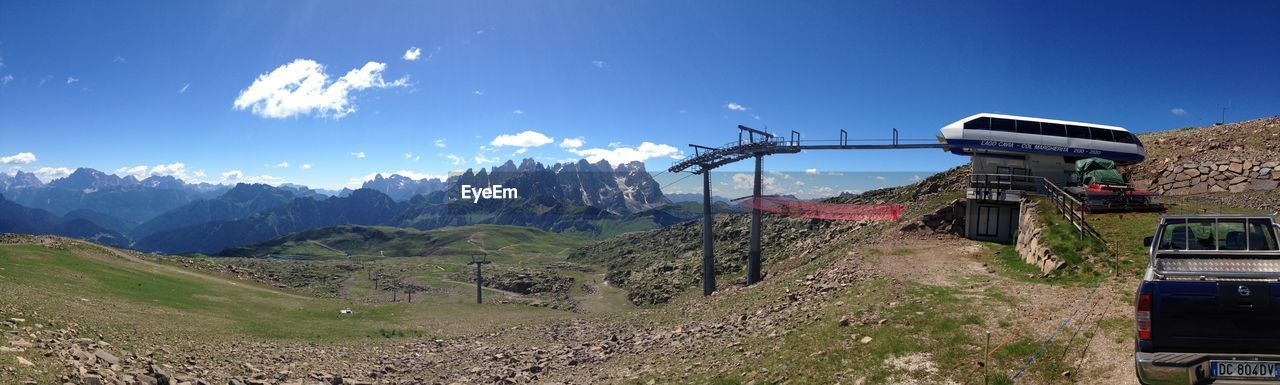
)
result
[(1222, 316)]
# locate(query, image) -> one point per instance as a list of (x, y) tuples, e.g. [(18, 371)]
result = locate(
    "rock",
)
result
[(91, 379), (865, 340), (25, 362), (1235, 168), (1263, 184), (1236, 188), (161, 375), (107, 357), (1216, 188)]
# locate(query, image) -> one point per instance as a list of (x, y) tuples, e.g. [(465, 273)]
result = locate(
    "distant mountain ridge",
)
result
[(402, 188), (15, 218), (163, 213)]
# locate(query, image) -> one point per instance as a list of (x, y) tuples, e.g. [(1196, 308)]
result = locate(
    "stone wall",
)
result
[(1028, 242), (1234, 175)]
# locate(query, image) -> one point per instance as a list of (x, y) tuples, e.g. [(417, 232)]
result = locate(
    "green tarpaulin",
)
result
[(1097, 170)]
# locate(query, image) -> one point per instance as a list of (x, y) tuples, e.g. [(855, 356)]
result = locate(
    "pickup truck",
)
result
[(1208, 308)]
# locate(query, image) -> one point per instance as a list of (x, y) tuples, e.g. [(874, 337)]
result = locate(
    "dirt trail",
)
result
[(1037, 309)]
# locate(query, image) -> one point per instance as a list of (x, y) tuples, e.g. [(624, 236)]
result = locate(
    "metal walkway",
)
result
[(753, 143)]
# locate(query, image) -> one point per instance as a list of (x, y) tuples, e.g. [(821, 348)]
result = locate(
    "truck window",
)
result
[(1231, 235), (1201, 235), (1174, 236), (1261, 236)]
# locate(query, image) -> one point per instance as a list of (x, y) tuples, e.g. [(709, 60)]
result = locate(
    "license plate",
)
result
[(1244, 369)]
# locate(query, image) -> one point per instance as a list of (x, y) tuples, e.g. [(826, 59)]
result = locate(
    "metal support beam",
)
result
[(708, 258), (479, 279), (753, 255)]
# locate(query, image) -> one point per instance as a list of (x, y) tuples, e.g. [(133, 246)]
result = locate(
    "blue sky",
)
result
[(143, 86)]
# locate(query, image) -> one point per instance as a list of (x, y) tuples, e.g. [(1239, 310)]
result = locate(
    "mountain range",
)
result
[(165, 214)]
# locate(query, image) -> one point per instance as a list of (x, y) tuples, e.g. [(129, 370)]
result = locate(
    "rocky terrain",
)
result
[(656, 265), (1235, 157)]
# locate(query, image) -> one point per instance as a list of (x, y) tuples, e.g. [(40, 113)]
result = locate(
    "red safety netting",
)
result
[(792, 207)]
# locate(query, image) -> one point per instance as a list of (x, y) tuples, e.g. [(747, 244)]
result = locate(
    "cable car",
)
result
[(1016, 135)]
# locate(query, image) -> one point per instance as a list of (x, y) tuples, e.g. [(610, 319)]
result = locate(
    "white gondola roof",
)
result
[(960, 123)]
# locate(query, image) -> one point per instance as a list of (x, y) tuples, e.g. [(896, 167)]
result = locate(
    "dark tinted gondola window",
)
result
[(978, 124), (998, 124), (1025, 127), (1053, 129), (1101, 134), (1123, 137), (1078, 132)]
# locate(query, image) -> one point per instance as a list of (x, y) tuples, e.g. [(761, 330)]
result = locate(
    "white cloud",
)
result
[(572, 142), (477, 93), (302, 88), (50, 173), (518, 112), (736, 106), (139, 172), (440, 143), (621, 155), (305, 166), (521, 151), (481, 159), (457, 160), (19, 158), (283, 165), (412, 53), (119, 59), (358, 154), (6, 79), (411, 156), (747, 182), (72, 80), (199, 174), (176, 169), (523, 139), (184, 88), (879, 177), (811, 171), (1178, 111), (237, 176), (599, 63)]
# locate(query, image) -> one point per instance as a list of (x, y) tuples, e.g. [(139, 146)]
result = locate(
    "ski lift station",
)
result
[(1010, 156)]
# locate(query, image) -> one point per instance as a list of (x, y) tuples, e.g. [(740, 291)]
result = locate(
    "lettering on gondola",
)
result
[(1040, 148)]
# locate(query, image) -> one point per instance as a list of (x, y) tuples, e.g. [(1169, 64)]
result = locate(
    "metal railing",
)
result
[(1067, 205)]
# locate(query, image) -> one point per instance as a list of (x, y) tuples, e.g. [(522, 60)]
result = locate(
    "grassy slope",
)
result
[(369, 241), (100, 288)]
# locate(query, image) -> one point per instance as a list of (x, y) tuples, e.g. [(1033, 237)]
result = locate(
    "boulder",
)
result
[(107, 357), (1263, 184)]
